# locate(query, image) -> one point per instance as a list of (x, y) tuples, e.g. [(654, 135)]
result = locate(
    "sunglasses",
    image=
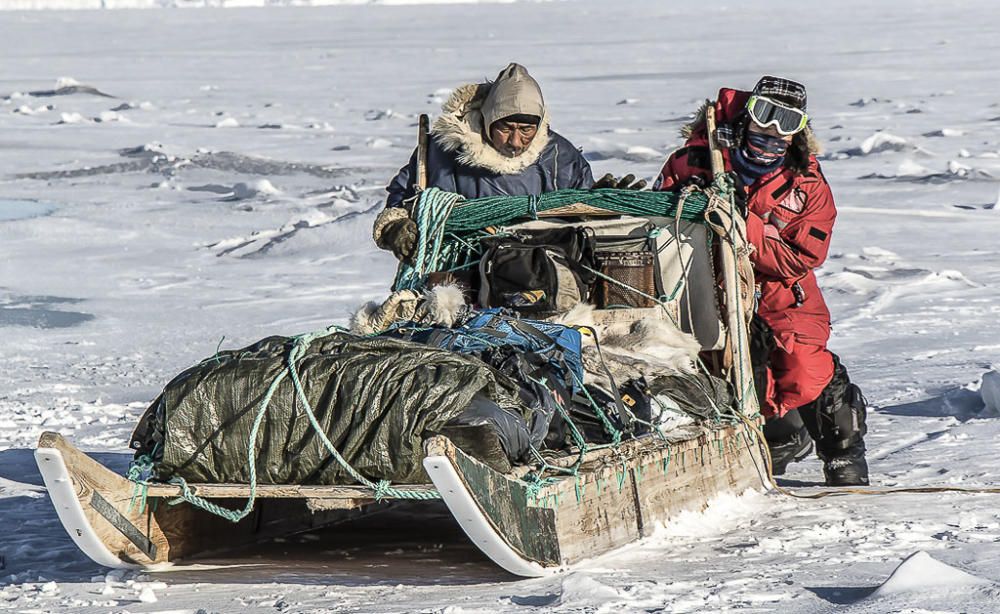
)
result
[(766, 112)]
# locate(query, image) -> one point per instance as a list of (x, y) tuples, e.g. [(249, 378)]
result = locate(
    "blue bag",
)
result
[(492, 328)]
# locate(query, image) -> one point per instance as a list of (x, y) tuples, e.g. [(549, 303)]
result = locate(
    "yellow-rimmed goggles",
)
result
[(766, 112)]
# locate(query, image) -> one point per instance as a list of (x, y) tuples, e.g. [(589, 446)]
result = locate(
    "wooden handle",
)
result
[(737, 342), (422, 142), (718, 166)]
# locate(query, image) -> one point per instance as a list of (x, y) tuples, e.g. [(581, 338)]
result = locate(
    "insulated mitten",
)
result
[(396, 232)]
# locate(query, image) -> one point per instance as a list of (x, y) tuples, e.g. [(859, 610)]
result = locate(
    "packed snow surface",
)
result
[(178, 181)]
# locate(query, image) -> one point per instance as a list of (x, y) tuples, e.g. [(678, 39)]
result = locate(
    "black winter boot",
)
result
[(788, 441), (837, 421), (847, 469)]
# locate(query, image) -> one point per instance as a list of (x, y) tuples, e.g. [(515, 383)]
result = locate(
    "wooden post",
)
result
[(422, 142), (737, 341)]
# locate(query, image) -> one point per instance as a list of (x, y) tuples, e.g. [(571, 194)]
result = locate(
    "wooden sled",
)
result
[(617, 497)]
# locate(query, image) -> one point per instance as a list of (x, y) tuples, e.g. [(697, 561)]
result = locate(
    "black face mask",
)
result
[(764, 149)]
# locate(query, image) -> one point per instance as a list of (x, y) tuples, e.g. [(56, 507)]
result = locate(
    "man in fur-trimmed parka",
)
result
[(768, 146), (491, 139)]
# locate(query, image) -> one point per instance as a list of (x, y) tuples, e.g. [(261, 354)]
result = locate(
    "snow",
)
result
[(920, 572), (132, 249), (27, 5), (990, 391), (229, 122), (579, 589)]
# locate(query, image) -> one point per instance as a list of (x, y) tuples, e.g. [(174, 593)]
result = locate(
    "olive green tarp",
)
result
[(376, 399)]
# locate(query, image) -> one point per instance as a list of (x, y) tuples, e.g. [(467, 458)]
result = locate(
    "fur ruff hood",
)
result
[(460, 129), (804, 144)]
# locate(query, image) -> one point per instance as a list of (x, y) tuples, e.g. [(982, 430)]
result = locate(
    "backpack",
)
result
[(537, 272)]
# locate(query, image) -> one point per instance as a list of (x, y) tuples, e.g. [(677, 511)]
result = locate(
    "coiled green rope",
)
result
[(479, 213), (450, 226)]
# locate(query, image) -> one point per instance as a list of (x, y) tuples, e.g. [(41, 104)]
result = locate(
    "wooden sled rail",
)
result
[(242, 491), (617, 496), (273, 491)]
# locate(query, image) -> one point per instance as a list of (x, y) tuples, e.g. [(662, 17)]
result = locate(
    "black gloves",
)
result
[(627, 182)]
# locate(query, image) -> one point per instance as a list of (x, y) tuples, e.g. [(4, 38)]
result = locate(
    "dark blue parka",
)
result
[(558, 166), (460, 159)]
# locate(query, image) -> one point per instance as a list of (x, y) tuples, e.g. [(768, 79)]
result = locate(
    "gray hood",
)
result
[(514, 92)]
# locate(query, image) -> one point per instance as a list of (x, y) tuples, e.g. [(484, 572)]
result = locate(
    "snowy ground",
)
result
[(225, 189)]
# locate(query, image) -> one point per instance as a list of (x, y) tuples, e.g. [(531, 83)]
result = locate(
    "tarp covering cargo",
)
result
[(375, 398)]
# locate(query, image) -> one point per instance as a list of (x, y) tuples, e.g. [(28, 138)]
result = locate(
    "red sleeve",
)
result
[(682, 167), (667, 180), (789, 252)]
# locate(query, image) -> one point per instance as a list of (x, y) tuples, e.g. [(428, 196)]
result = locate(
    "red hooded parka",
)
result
[(789, 223)]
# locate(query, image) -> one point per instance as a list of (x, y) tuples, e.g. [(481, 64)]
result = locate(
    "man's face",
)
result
[(511, 138), (769, 131)]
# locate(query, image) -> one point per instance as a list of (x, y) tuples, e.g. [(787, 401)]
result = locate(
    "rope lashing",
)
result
[(449, 231), (380, 490), (450, 226)]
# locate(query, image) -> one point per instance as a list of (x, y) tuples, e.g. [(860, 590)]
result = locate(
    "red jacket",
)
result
[(789, 222)]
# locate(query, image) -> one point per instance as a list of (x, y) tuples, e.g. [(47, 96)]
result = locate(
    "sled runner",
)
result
[(530, 514)]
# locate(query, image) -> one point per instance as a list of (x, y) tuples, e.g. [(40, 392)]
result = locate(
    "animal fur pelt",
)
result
[(647, 347), (460, 129), (441, 305)]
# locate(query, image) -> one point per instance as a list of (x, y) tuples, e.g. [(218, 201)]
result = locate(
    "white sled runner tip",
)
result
[(475, 524), (57, 479)]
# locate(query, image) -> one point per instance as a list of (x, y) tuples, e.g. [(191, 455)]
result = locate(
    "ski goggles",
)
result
[(766, 112)]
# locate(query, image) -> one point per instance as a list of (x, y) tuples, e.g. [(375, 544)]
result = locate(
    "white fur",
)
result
[(659, 343), (361, 320), (444, 304), (582, 314), (441, 305)]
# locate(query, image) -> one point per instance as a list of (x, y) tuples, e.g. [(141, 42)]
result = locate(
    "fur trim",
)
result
[(388, 216), (460, 129), (695, 124)]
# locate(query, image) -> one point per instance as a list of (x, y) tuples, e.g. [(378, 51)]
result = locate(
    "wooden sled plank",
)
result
[(97, 509), (274, 491), (615, 499), (578, 210)]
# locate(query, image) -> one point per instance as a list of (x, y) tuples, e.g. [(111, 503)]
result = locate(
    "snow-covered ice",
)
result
[(135, 245)]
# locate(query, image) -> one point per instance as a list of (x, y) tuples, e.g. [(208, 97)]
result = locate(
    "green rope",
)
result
[(450, 230), (616, 435), (450, 227), (724, 188), (382, 489), (478, 213), (138, 472)]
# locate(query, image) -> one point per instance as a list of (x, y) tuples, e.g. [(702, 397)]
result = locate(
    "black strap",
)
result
[(623, 414)]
